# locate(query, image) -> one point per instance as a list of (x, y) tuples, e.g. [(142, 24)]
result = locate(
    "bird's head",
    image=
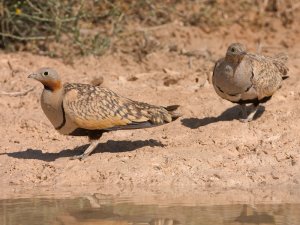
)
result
[(48, 77), (236, 51)]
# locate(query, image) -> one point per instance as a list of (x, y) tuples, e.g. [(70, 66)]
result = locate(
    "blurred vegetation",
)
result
[(76, 27), (35, 25)]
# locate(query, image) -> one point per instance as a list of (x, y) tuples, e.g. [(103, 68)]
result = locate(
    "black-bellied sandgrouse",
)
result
[(243, 78), (87, 110)]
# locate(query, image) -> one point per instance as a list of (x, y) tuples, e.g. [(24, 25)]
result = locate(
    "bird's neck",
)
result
[(51, 101), (234, 60), (52, 85)]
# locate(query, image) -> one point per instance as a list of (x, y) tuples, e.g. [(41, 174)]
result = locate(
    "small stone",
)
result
[(97, 81)]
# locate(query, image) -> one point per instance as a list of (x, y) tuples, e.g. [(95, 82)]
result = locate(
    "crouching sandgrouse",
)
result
[(243, 78), (86, 110)]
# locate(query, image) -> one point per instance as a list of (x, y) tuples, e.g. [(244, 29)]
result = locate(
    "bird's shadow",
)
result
[(228, 115), (109, 146)]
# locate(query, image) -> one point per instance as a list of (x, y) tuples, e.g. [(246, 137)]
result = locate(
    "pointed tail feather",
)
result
[(172, 111), (285, 77)]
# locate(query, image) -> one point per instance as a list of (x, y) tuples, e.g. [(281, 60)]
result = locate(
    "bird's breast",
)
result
[(224, 78), (232, 79), (228, 72), (53, 113), (52, 106)]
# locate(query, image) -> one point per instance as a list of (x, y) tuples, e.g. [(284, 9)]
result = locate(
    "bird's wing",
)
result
[(216, 74), (278, 60), (216, 67), (94, 107), (267, 77)]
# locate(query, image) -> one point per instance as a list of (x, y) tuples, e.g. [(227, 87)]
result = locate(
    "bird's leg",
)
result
[(244, 112), (88, 151), (252, 113), (94, 139)]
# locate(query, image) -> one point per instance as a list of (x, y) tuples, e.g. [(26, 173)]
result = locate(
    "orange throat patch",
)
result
[(52, 85)]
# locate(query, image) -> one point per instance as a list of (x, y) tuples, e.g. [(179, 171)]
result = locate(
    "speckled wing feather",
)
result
[(279, 61), (267, 74), (94, 107)]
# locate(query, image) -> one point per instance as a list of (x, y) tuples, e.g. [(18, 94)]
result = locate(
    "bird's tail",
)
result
[(146, 115), (280, 61), (172, 110), (158, 115)]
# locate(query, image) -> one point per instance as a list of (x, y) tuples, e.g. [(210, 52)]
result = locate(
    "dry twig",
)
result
[(11, 69), (17, 94)]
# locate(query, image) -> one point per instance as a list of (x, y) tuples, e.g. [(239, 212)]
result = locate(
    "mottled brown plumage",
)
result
[(87, 110), (94, 107), (243, 77)]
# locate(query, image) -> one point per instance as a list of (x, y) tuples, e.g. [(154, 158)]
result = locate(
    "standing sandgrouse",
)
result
[(86, 110), (243, 78)]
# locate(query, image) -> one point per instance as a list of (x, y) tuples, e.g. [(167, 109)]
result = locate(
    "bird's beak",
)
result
[(243, 53), (33, 76)]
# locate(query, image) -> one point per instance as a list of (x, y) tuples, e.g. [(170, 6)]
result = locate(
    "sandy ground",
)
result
[(206, 149)]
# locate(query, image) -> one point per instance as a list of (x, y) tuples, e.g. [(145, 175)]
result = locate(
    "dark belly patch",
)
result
[(253, 101), (93, 134)]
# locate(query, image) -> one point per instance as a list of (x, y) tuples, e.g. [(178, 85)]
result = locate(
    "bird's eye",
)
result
[(46, 73), (232, 50)]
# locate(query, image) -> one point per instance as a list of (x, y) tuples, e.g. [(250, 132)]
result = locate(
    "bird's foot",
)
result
[(80, 157), (87, 152), (245, 120), (248, 118), (243, 111)]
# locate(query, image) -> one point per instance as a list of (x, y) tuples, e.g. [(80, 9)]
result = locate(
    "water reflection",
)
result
[(91, 211), (254, 217), (71, 220)]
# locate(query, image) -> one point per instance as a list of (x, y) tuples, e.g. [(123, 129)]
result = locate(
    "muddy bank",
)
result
[(206, 148)]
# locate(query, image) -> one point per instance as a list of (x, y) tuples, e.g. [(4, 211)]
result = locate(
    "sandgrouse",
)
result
[(243, 78), (86, 110)]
